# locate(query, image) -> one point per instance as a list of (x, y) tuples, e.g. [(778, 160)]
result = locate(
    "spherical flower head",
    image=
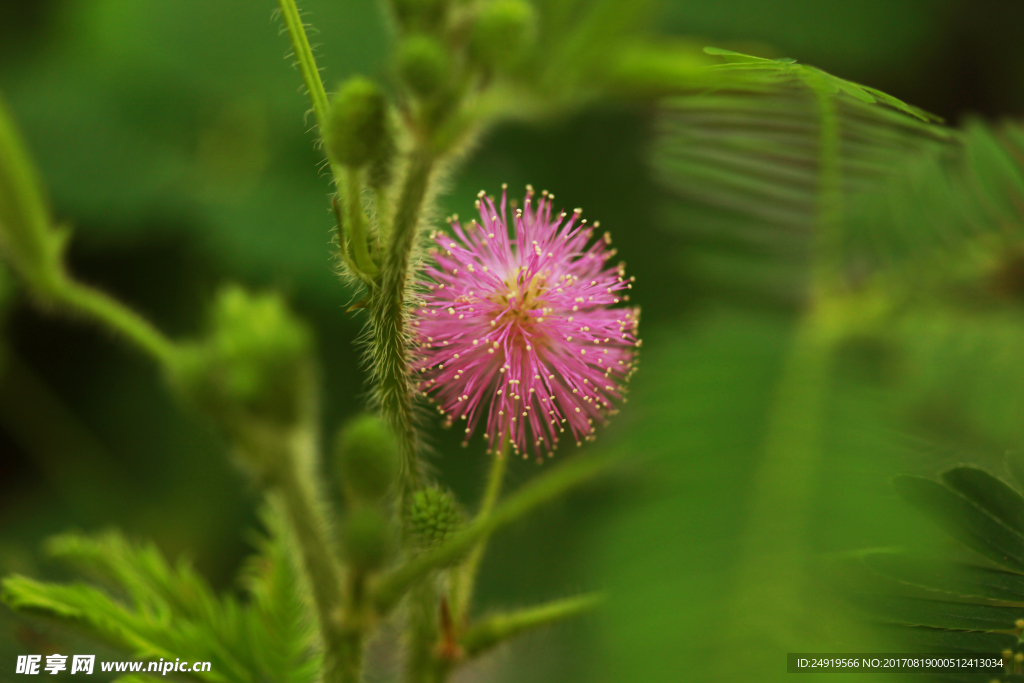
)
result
[(517, 327)]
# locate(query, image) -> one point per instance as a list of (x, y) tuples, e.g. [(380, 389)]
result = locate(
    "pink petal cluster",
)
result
[(518, 329)]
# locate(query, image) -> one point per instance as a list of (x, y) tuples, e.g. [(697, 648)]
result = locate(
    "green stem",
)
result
[(310, 76), (116, 316), (356, 224), (354, 629), (296, 482), (462, 593), (498, 628), (28, 240), (388, 313), (770, 574), (546, 487), (306, 61), (422, 633), (828, 247)]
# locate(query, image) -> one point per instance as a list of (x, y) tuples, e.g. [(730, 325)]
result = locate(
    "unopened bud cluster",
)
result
[(443, 48), (253, 367)]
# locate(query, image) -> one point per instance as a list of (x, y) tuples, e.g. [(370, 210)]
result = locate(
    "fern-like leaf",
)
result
[(766, 166), (956, 606), (156, 610)]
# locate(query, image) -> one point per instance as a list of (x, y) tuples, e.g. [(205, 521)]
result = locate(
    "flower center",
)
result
[(518, 300)]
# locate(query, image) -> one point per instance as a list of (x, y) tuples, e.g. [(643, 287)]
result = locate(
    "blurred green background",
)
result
[(172, 137)]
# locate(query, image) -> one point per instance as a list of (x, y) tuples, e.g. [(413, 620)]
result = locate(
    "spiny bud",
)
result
[(366, 453), (357, 123), (254, 365), (420, 14), (366, 537), (434, 515), (423, 64), (502, 31)]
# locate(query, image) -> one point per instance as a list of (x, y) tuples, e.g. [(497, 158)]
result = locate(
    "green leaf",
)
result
[(955, 578), (173, 610), (988, 493), (141, 572), (946, 614), (730, 53), (753, 179), (84, 606), (923, 639), (1015, 463), (964, 521), (281, 634)]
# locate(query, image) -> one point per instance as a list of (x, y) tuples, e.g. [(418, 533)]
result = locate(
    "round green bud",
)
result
[(420, 14), (366, 538), (253, 366), (381, 171), (366, 453), (357, 125), (502, 31), (434, 515), (423, 64)]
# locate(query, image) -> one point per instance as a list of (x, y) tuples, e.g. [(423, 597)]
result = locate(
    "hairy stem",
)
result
[(546, 487), (354, 629), (498, 628), (422, 633), (306, 61), (356, 224), (388, 312), (462, 592), (296, 483)]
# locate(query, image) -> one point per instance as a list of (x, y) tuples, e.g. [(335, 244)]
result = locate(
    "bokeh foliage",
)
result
[(170, 134)]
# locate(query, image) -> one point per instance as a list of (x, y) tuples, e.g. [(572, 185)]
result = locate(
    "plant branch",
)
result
[(498, 628), (462, 593), (306, 61), (355, 226), (542, 489), (296, 484), (117, 317), (388, 312)]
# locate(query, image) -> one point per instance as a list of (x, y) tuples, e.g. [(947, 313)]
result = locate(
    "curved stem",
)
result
[(118, 317), (462, 594), (355, 226), (556, 481), (498, 628)]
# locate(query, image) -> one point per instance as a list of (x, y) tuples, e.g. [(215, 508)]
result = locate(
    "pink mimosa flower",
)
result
[(518, 330)]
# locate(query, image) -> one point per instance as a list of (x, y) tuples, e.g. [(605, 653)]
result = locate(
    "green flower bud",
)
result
[(366, 453), (381, 170), (423, 64), (357, 125), (366, 538), (502, 32), (420, 14), (254, 366), (434, 515)]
